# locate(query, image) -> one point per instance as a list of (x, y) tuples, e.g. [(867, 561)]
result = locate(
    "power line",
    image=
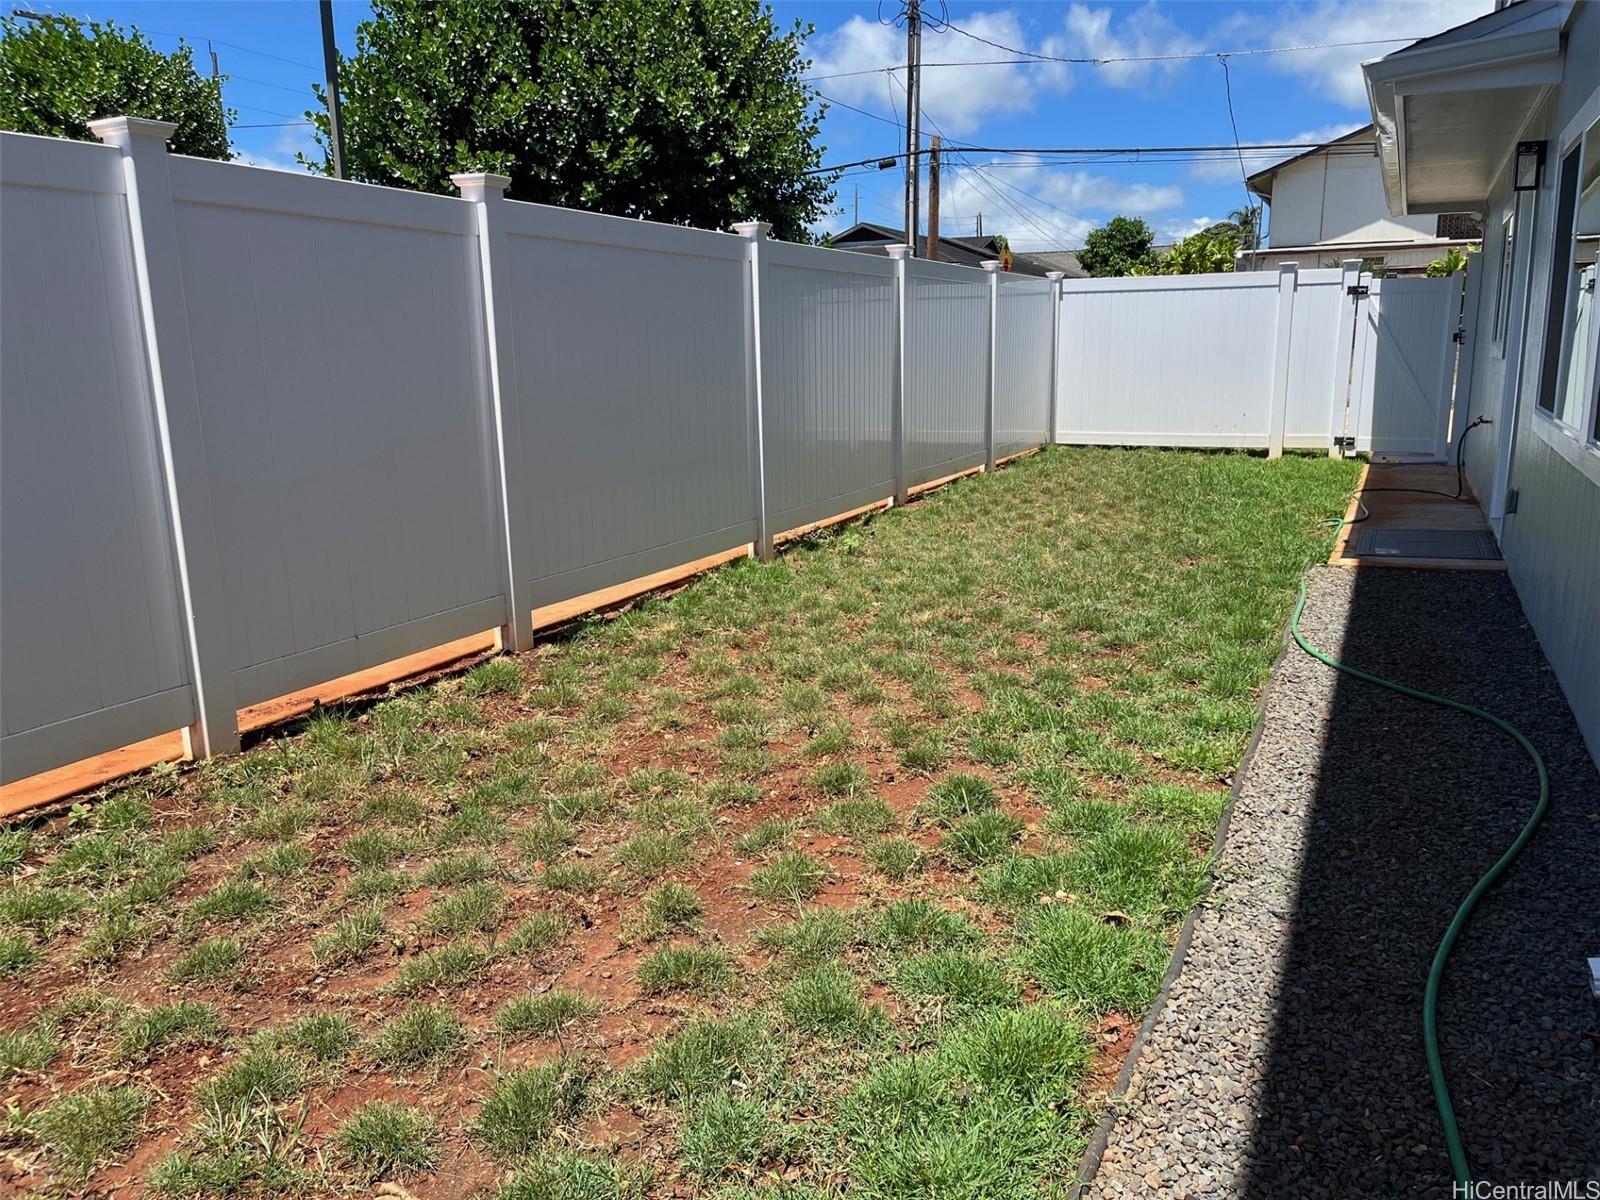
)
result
[(1119, 151), (980, 178), (1032, 58), (302, 90), (1227, 84), (190, 37)]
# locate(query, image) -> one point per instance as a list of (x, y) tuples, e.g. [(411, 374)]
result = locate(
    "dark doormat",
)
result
[(1423, 543)]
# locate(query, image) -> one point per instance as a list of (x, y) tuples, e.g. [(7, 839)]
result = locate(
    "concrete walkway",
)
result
[(1287, 1060)]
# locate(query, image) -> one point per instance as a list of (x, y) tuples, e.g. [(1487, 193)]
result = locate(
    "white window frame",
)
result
[(1578, 444)]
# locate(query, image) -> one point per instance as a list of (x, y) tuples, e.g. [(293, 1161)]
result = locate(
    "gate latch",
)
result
[(1459, 336), (1358, 289)]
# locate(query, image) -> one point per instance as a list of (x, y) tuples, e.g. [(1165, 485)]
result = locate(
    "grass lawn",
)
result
[(849, 875)]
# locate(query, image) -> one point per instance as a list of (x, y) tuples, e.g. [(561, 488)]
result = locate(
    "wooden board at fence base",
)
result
[(1410, 510), (90, 773), (565, 610)]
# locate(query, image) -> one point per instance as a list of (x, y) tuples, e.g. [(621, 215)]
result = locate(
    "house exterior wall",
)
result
[(1396, 259), (1331, 198), (1551, 543)]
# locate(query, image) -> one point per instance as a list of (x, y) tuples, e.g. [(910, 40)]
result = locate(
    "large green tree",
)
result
[(690, 111), (58, 74), (1122, 246)]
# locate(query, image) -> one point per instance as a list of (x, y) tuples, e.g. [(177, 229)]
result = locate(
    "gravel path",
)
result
[(1287, 1060)]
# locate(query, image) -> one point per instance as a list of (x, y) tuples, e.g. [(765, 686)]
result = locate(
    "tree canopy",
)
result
[(1122, 246), (58, 74), (688, 111), (1209, 252)]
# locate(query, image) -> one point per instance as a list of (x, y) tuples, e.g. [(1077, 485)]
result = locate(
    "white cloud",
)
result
[(1225, 167), (1144, 32), (280, 154), (851, 60), (1335, 73), (1176, 231), (1042, 207), (958, 98)]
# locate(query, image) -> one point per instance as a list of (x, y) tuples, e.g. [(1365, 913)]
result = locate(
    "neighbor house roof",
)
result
[(869, 238)]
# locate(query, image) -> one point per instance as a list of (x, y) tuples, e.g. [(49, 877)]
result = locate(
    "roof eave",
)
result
[(1518, 57)]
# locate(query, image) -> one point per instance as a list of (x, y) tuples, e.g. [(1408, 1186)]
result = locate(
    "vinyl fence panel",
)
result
[(91, 636), (1025, 323), (947, 363), (340, 424), (1318, 362), (632, 396), (828, 350), (1172, 360), (338, 351)]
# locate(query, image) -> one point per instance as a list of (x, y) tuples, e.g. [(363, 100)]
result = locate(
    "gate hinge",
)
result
[(1344, 441), (1459, 336), (1358, 289), (1512, 496)]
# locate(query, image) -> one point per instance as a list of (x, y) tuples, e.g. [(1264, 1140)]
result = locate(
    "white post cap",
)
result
[(752, 229), (119, 131), (1055, 276), (990, 264), (472, 184), (897, 250)]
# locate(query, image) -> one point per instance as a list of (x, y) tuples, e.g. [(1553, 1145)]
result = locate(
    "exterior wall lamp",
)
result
[(1530, 167)]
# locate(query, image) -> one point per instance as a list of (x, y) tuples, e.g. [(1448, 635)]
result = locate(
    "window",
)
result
[(1502, 291), (1567, 384)]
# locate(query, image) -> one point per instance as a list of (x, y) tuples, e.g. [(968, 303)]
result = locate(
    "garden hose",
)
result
[(1461, 484), (1430, 997)]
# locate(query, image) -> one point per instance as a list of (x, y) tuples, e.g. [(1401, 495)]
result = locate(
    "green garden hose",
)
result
[(1430, 996)]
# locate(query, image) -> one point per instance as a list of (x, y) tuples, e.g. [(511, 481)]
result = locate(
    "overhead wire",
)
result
[(1033, 58)]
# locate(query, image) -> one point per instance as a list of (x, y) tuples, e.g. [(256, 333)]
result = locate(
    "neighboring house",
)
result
[(1327, 205), (867, 238), (1065, 261), (1502, 115)]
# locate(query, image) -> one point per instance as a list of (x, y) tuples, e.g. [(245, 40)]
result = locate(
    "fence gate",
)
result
[(1404, 364)]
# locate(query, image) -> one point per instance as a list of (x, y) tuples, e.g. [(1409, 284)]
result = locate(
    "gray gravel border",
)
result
[(1283, 1056)]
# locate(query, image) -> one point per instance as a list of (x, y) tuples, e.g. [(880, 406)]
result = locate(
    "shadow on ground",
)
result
[(1411, 803)]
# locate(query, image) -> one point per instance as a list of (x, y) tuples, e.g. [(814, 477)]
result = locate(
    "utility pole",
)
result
[(978, 229), (933, 197), (857, 218), (330, 66), (216, 80), (913, 122)]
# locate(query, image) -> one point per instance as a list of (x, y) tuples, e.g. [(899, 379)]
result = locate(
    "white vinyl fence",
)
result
[(262, 430), (1260, 359)]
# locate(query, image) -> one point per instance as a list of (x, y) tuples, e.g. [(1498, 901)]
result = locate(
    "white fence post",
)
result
[(1467, 345), (898, 418), (993, 267), (165, 320), (1288, 278), (487, 194), (1055, 278), (756, 232), (1345, 360)]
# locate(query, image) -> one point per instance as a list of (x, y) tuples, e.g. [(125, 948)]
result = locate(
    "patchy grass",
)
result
[(685, 968), (827, 867), (381, 1140), (543, 1015)]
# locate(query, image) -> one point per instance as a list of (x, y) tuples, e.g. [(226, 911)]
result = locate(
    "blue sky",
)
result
[(271, 52)]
